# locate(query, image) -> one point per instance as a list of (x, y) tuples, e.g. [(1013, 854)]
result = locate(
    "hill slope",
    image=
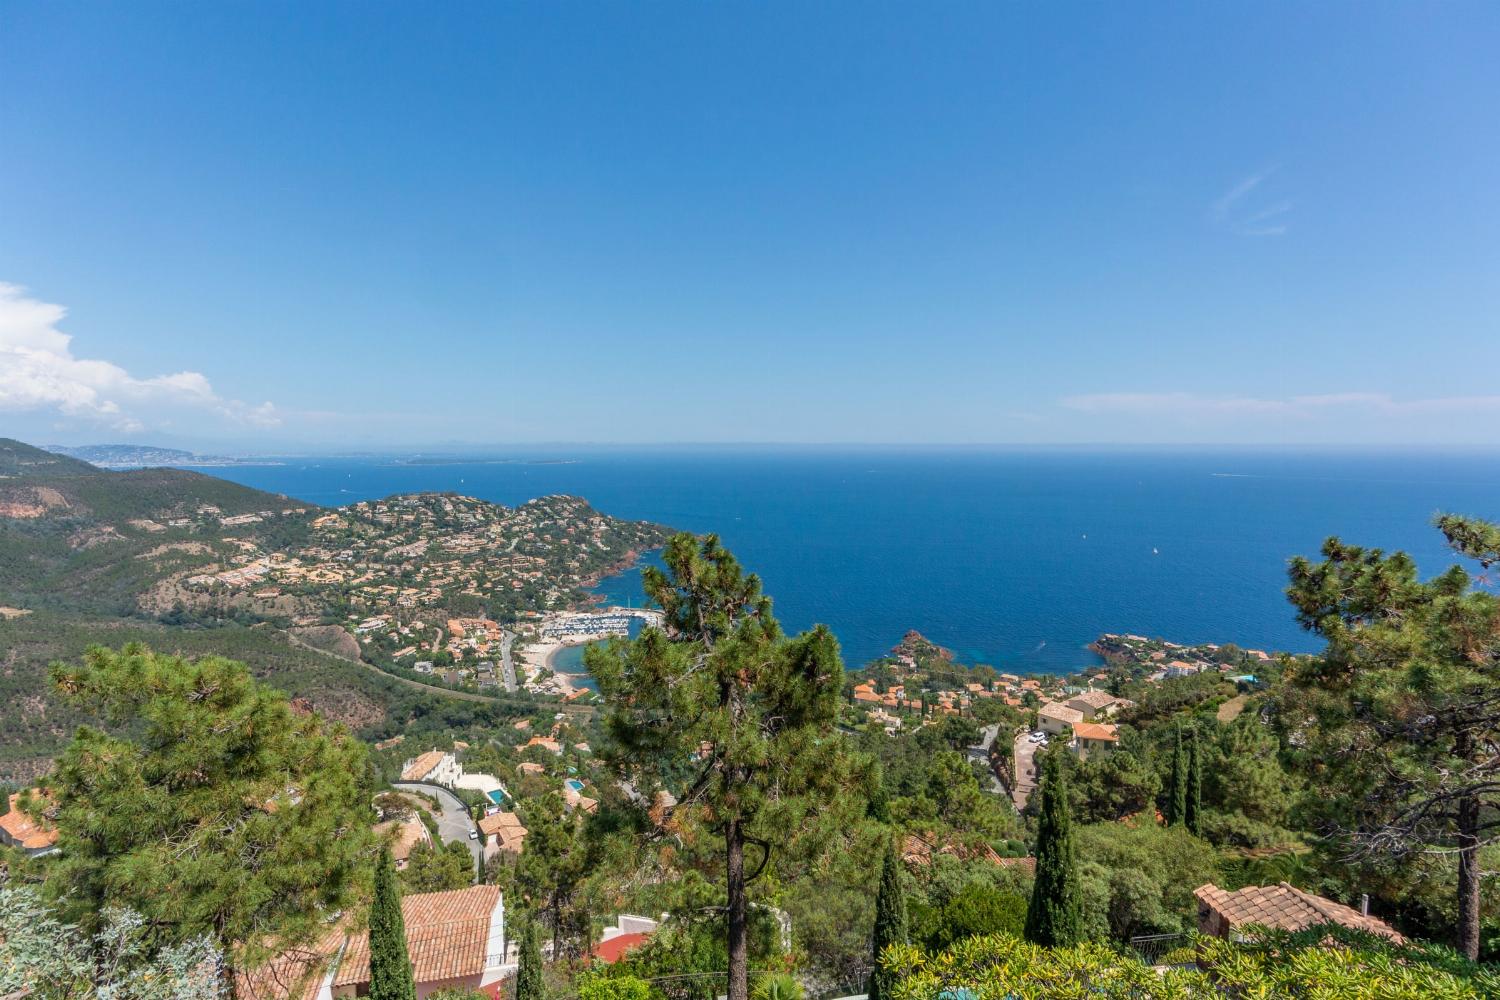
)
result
[(185, 561)]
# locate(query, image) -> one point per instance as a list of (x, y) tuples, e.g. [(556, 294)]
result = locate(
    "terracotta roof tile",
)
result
[(1095, 731), (422, 766), (24, 831), (447, 936), (404, 836), (1285, 907)]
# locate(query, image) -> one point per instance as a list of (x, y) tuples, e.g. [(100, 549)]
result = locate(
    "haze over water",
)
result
[(1017, 558)]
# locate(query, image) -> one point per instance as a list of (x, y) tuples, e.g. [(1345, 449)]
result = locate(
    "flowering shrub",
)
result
[(1326, 963)]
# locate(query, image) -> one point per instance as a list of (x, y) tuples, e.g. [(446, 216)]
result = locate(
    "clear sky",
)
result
[(270, 225)]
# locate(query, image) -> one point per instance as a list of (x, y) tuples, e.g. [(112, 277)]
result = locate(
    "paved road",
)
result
[(454, 823), (1025, 754), (429, 688), (507, 665)]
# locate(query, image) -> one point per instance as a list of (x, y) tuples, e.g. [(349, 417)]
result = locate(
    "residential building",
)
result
[(405, 835), (455, 940), (1284, 907), (35, 836), (434, 766), (1057, 718), (1091, 738), (1094, 704), (503, 833), (628, 933)]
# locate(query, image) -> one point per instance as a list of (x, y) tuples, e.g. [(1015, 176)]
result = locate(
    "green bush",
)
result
[(1321, 962)]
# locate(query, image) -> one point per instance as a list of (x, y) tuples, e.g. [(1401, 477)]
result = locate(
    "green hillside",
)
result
[(78, 538), (18, 459), (189, 563)]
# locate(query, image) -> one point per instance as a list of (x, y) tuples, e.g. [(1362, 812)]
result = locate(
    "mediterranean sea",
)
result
[(1013, 557)]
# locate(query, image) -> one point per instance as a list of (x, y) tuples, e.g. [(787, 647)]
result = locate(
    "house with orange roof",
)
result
[(404, 835), (546, 743), (433, 766), (503, 833), (1282, 907), (454, 940), (1057, 718), (1094, 738), (30, 833)]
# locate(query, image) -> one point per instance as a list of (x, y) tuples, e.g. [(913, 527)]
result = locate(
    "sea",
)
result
[(1017, 558)]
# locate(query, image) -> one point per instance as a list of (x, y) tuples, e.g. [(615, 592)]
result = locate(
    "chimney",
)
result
[(1364, 904)]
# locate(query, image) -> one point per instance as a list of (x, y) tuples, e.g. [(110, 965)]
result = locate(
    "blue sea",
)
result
[(1015, 558)]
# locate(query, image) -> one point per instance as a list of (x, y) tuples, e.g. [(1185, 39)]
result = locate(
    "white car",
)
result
[(473, 834)]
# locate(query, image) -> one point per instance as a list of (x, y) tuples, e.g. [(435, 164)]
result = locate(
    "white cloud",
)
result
[(39, 373), (1187, 404), (1238, 211)]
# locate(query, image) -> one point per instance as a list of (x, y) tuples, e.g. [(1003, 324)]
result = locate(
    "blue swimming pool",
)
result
[(575, 784), (497, 796)]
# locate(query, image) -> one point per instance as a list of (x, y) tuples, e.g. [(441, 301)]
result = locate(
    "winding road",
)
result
[(454, 824)]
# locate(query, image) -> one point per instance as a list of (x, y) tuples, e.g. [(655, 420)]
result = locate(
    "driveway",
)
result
[(1025, 755), (454, 823)]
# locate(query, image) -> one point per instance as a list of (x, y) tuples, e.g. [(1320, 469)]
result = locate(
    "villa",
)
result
[(434, 766), (1057, 718), (455, 940)]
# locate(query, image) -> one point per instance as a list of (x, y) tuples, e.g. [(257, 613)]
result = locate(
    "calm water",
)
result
[(1014, 558)]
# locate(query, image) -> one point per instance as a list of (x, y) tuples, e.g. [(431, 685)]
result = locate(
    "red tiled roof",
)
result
[(918, 850), (447, 936), (1095, 731), (295, 974), (405, 835), (422, 766), (614, 949), (1284, 907), (23, 831)]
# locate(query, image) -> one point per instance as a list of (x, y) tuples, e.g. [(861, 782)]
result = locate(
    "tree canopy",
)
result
[(720, 707), (1401, 713), (213, 809)]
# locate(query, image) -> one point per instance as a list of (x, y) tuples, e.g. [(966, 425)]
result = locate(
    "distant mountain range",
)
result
[(135, 456)]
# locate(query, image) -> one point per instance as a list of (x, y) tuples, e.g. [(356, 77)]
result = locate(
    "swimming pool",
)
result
[(575, 784), (497, 796)]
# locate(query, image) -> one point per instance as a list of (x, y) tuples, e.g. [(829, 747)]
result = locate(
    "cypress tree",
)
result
[(390, 968), (1053, 918), (1176, 812), (890, 920), (1193, 811), (529, 974)]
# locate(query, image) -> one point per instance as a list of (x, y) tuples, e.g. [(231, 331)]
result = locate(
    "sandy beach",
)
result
[(543, 656)]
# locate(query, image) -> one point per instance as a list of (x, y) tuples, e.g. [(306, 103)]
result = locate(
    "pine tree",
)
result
[(529, 972), (1176, 811), (1403, 696), (390, 968), (890, 920), (721, 694), (207, 805), (1053, 918), (1192, 814)]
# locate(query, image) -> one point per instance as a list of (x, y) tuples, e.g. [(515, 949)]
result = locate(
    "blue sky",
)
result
[(266, 225)]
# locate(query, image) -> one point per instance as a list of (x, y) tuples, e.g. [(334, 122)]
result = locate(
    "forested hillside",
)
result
[(195, 564)]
